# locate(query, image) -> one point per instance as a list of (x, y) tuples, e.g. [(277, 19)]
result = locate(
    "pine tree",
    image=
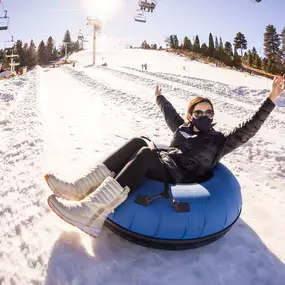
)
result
[(221, 50), (186, 44), (190, 45), (196, 46), (228, 49), (211, 45), (168, 42), (254, 53), (42, 53), (20, 52), (270, 66), (54, 54), (25, 54), (257, 61), (145, 45), (67, 40), (221, 46), (272, 49), (32, 55), (216, 44), (264, 64), (237, 60), (67, 37), (76, 46), (271, 41), (175, 42), (250, 58), (216, 53), (204, 49), (49, 49), (240, 42)]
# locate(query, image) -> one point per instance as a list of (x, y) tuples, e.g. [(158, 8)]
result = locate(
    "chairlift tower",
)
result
[(97, 26), (65, 45), (12, 63)]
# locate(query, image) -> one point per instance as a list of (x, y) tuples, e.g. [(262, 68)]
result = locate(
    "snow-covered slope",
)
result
[(65, 120)]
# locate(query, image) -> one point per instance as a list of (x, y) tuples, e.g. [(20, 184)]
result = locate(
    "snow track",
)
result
[(21, 190)]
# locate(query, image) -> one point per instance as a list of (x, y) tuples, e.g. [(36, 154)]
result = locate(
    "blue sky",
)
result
[(38, 19)]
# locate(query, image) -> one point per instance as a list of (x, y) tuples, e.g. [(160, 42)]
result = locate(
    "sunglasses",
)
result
[(199, 114)]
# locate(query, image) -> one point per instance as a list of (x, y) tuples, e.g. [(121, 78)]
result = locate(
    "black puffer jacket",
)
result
[(192, 156)]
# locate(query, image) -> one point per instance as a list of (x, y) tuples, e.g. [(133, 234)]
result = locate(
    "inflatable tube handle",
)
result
[(146, 200), (181, 207)]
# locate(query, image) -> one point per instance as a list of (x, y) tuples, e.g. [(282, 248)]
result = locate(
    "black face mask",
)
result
[(202, 124)]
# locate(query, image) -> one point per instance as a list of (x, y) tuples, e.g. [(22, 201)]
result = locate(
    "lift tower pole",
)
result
[(97, 25)]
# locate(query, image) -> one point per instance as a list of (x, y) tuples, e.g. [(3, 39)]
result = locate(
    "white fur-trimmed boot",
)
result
[(82, 187), (90, 214)]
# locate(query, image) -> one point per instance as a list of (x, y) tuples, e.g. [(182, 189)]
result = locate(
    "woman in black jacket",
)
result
[(195, 149)]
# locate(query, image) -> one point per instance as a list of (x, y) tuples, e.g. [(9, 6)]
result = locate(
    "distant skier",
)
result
[(142, 66), (195, 150), (145, 66)]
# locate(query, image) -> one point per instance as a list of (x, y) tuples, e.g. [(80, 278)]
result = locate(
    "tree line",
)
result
[(30, 55), (274, 50), (145, 45)]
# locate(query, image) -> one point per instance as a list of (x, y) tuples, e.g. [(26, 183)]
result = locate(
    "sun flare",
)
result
[(103, 9)]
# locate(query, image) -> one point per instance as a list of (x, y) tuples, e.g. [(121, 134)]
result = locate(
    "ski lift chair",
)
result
[(9, 45), (140, 18), (149, 6), (4, 22)]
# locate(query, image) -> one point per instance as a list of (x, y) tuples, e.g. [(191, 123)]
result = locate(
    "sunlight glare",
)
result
[(103, 9)]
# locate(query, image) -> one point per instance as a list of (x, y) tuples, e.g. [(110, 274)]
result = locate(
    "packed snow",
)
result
[(65, 120)]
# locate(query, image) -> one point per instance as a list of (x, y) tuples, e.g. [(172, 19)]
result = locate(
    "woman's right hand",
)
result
[(157, 91)]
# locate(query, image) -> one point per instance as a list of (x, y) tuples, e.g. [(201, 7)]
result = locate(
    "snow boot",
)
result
[(90, 214), (82, 187)]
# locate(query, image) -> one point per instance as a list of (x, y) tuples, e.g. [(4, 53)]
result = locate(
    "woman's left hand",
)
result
[(278, 86)]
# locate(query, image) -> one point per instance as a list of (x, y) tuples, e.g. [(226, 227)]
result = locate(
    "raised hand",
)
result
[(278, 86), (157, 91)]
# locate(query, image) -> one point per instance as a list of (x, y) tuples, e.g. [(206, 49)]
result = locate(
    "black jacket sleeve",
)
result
[(248, 129), (172, 118)]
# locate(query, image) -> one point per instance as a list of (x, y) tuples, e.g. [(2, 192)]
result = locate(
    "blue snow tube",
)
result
[(214, 206)]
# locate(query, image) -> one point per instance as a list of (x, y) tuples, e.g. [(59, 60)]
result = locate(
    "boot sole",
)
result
[(95, 233)]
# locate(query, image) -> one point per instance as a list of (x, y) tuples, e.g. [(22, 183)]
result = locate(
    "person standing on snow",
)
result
[(195, 149)]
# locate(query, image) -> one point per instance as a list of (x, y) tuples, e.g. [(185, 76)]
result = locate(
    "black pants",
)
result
[(134, 161)]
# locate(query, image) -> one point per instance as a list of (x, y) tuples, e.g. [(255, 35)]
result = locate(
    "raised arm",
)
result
[(172, 118), (248, 129)]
